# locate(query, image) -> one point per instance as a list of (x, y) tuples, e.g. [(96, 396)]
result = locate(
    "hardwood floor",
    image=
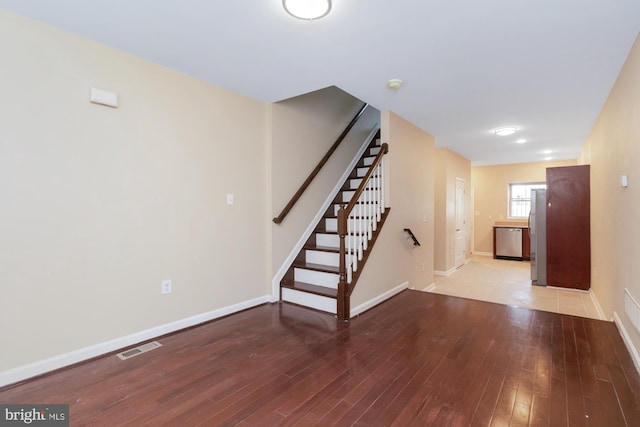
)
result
[(418, 359)]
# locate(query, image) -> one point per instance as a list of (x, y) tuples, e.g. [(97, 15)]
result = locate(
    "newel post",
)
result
[(343, 310)]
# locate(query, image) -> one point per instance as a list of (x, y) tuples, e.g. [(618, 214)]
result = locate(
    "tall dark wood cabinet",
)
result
[(568, 227)]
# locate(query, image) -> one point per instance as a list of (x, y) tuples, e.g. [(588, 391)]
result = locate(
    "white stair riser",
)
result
[(358, 210), (319, 278), (363, 171), (355, 182), (331, 224), (347, 195), (368, 161), (323, 258), (328, 240), (374, 151), (306, 299)]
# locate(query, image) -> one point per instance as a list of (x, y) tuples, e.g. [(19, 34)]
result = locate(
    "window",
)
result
[(520, 198)]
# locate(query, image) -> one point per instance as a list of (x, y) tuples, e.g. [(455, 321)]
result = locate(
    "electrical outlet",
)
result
[(166, 287)]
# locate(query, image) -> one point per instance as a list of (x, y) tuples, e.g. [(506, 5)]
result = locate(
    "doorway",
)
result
[(460, 235)]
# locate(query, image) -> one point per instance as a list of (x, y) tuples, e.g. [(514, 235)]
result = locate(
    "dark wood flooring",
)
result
[(418, 359)]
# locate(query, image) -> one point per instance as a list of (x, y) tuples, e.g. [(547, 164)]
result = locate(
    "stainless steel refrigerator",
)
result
[(538, 237)]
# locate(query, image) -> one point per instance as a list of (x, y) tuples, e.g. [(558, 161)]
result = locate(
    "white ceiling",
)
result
[(468, 66)]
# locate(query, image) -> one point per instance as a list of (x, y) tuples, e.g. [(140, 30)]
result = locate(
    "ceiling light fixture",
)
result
[(307, 9), (394, 84), (509, 130), (546, 152), (520, 141)]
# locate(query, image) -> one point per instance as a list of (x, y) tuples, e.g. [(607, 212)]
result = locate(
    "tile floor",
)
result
[(509, 282)]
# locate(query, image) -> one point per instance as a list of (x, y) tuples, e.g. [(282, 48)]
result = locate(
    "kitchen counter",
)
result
[(511, 224)]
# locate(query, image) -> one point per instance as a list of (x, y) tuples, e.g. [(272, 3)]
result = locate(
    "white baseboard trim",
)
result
[(597, 305), (445, 273), (377, 300), (429, 288), (483, 253), (627, 341), (47, 365)]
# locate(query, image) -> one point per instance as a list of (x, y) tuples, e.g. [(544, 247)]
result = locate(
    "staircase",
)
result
[(314, 279)]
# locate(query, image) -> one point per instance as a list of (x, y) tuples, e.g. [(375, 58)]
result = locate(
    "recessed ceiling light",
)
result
[(509, 130), (547, 152), (521, 141), (547, 158), (307, 9)]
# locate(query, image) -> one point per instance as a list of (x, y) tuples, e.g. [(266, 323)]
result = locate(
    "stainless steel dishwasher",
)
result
[(509, 243)]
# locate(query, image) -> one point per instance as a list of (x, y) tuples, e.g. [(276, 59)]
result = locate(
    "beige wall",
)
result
[(491, 195), (613, 149), (99, 205), (302, 130), (394, 260), (448, 167)]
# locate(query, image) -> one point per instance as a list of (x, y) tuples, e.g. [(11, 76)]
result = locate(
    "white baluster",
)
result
[(354, 244), (374, 201), (360, 241), (378, 191), (370, 194), (347, 256), (363, 219), (381, 188)]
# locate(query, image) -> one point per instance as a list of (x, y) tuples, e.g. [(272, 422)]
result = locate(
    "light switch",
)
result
[(230, 198), (624, 181)]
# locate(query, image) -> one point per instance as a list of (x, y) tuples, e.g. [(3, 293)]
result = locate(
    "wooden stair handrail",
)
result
[(317, 169), (344, 289), (413, 237)]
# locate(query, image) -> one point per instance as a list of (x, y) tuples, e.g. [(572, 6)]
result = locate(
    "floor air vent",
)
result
[(133, 352)]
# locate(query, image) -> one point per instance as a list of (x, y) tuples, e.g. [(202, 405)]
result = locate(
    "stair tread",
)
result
[(364, 203), (317, 267), (321, 248), (312, 289)]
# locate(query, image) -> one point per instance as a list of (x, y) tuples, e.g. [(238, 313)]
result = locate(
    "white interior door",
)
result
[(460, 223)]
